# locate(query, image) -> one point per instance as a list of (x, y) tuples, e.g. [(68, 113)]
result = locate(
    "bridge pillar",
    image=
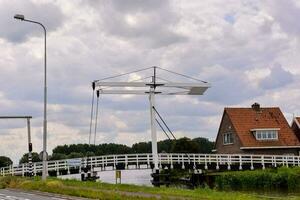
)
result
[(57, 169), (23, 170), (241, 163), (82, 176), (34, 169), (205, 162), (126, 161), (153, 128), (183, 167), (228, 163), (263, 162), (194, 166)]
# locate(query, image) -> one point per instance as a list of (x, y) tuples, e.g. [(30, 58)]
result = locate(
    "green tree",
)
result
[(204, 145), (184, 145), (58, 156), (165, 146), (90, 154), (5, 161), (141, 147), (75, 155), (35, 158)]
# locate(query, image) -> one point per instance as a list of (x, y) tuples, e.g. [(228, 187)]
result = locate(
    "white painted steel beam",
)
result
[(194, 91), (188, 85), (121, 84), (138, 92), (147, 84)]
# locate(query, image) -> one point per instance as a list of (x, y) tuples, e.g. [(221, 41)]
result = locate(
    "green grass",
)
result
[(97, 190)]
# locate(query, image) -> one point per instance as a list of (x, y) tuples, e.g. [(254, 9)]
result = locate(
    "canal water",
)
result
[(136, 177)]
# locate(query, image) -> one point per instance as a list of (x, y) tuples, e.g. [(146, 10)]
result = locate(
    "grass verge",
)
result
[(96, 190)]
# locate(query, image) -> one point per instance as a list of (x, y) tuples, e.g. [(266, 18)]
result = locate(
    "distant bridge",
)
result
[(145, 161)]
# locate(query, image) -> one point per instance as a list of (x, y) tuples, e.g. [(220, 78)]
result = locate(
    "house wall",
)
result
[(225, 127), (296, 130), (273, 151)]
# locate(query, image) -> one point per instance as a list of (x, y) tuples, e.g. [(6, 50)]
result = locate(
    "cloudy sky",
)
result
[(247, 49)]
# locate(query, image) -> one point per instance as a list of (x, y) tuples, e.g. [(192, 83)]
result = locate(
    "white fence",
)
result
[(135, 161)]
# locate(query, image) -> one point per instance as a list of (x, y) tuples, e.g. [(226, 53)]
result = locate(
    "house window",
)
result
[(267, 134), (228, 138)]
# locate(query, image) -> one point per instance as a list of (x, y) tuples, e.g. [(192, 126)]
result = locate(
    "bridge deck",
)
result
[(142, 161)]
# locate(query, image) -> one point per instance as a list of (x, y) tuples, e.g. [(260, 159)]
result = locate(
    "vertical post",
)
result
[(241, 162), (34, 169), (153, 122), (217, 163), (92, 111), (45, 172), (263, 162), (118, 176), (29, 148), (252, 167), (153, 130), (23, 170), (96, 120)]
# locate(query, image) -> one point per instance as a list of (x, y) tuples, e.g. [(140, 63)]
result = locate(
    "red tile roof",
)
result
[(245, 119), (298, 120)]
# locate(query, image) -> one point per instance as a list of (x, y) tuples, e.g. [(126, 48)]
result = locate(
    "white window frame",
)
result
[(226, 138), (266, 134)]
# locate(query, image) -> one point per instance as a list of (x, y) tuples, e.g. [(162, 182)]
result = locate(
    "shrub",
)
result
[(281, 179)]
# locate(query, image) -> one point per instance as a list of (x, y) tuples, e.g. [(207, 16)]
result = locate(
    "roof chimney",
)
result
[(256, 106)]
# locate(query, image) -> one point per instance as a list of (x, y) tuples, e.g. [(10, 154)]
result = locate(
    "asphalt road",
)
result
[(22, 195)]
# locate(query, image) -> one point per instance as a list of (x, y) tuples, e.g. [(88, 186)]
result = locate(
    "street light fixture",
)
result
[(21, 17), (44, 174)]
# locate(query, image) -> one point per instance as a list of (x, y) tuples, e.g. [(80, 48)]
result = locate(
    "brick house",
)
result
[(296, 127), (255, 130)]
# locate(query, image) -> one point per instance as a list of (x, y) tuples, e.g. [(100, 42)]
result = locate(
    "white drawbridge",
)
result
[(156, 86), (144, 161)]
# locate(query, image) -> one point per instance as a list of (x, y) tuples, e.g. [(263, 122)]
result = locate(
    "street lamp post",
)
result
[(44, 174)]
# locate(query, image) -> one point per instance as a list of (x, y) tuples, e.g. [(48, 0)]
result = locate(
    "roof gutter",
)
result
[(271, 147)]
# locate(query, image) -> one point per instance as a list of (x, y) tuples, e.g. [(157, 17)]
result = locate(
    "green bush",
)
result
[(281, 179)]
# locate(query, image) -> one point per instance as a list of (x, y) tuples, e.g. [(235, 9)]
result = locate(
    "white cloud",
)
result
[(233, 45), (16, 31), (278, 77)]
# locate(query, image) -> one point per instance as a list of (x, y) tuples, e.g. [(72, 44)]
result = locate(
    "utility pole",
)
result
[(22, 18)]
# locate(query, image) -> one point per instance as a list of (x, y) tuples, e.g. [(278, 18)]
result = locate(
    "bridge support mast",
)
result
[(153, 130), (155, 174), (153, 122)]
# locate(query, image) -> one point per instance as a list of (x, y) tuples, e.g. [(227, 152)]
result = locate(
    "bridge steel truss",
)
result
[(152, 88), (144, 161)]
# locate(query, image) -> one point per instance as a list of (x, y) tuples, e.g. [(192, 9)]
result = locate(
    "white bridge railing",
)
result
[(136, 161)]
